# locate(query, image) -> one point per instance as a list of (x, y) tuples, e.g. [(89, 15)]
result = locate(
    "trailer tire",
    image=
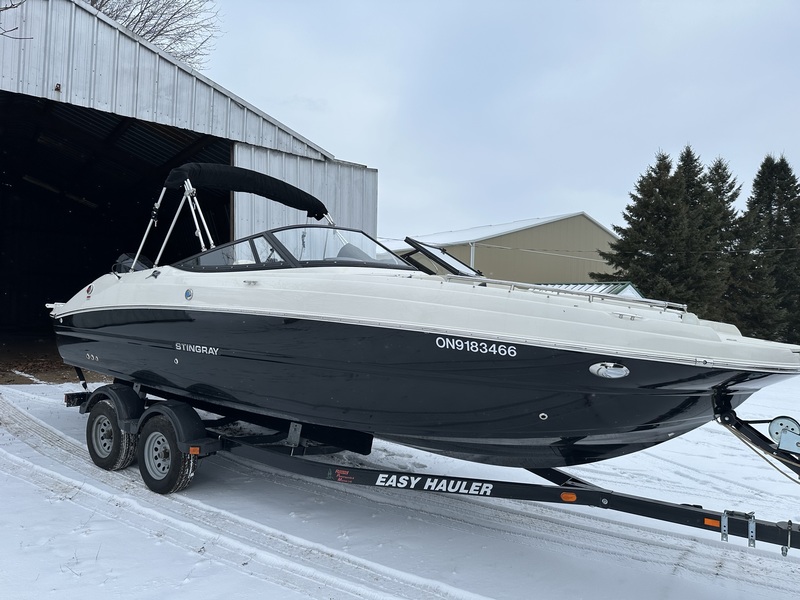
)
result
[(164, 468), (109, 447)]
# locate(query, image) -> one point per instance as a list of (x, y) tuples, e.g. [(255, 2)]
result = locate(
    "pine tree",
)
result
[(752, 297), (719, 216), (675, 246), (770, 230), (645, 252), (703, 273)]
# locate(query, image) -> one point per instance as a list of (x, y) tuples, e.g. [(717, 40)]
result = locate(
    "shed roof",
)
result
[(71, 53), (486, 232)]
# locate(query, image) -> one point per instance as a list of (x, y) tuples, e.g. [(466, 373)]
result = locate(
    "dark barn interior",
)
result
[(76, 189)]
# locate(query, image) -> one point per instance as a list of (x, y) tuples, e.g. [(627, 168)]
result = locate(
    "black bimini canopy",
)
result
[(236, 179)]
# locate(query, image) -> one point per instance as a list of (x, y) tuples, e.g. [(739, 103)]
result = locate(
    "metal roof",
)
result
[(473, 235), (88, 109), (69, 52)]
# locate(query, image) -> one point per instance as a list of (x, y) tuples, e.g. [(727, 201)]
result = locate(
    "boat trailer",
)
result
[(566, 490), (120, 417)]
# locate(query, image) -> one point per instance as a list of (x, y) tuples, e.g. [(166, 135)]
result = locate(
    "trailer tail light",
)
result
[(569, 496)]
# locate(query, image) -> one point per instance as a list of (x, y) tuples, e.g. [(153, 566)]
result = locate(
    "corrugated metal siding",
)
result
[(99, 65), (349, 191)]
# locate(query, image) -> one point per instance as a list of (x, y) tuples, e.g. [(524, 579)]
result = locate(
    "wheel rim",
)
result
[(102, 436), (157, 455)]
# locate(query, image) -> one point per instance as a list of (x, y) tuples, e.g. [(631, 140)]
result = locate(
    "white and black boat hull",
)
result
[(472, 398)]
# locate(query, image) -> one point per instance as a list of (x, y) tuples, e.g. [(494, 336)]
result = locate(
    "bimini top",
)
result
[(236, 179)]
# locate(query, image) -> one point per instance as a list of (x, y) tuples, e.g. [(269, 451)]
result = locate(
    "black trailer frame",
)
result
[(567, 490), (286, 447)]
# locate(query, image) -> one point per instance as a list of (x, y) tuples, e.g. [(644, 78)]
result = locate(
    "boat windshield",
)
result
[(298, 246), (436, 261), (331, 245)]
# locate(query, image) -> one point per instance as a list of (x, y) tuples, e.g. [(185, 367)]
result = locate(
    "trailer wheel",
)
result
[(110, 448), (164, 468)]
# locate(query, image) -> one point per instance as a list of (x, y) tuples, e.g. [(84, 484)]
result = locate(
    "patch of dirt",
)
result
[(30, 358)]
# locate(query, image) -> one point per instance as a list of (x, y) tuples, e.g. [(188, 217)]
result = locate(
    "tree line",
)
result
[(685, 242)]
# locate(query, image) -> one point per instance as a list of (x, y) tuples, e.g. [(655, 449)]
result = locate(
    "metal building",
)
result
[(92, 118), (560, 249)]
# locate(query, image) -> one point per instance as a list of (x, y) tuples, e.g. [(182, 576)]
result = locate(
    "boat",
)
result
[(323, 327)]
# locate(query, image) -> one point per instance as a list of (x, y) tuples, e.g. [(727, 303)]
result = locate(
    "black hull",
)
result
[(475, 399)]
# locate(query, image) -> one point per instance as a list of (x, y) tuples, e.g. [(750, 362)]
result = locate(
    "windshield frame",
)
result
[(440, 256), (222, 258), (356, 259)]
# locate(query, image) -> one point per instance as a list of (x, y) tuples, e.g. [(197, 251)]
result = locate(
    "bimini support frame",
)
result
[(190, 197), (150, 224), (232, 179)]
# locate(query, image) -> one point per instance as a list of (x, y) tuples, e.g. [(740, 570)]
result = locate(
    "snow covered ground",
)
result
[(71, 530)]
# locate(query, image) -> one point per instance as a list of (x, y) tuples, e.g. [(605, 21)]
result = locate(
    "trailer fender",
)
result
[(128, 405), (189, 429)]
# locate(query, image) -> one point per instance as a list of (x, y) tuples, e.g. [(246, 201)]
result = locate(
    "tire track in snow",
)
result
[(564, 530), (259, 564), (275, 556), (540, 526)]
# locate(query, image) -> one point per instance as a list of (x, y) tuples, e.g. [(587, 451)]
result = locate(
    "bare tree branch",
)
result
[(184, 28), (8, 5)]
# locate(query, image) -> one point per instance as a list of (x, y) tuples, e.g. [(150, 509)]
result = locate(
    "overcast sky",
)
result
[(485, 112)]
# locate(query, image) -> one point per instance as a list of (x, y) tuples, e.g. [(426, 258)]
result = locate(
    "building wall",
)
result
[(349, 191), (70, 53), (563, 251)]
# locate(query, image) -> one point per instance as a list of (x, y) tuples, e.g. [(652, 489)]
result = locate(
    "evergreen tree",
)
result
[(752, 297), (770, 232), (703, 270), (645, 252), (724, 192), (675, 246), (719, 217)]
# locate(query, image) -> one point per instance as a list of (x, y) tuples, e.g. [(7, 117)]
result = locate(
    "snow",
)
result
[(72, 530)]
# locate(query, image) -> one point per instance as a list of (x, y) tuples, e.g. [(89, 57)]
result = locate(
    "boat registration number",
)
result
[(448, 343)]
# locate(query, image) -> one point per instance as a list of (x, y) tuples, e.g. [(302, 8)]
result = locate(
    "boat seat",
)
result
[(351, 251), (124, 262)]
